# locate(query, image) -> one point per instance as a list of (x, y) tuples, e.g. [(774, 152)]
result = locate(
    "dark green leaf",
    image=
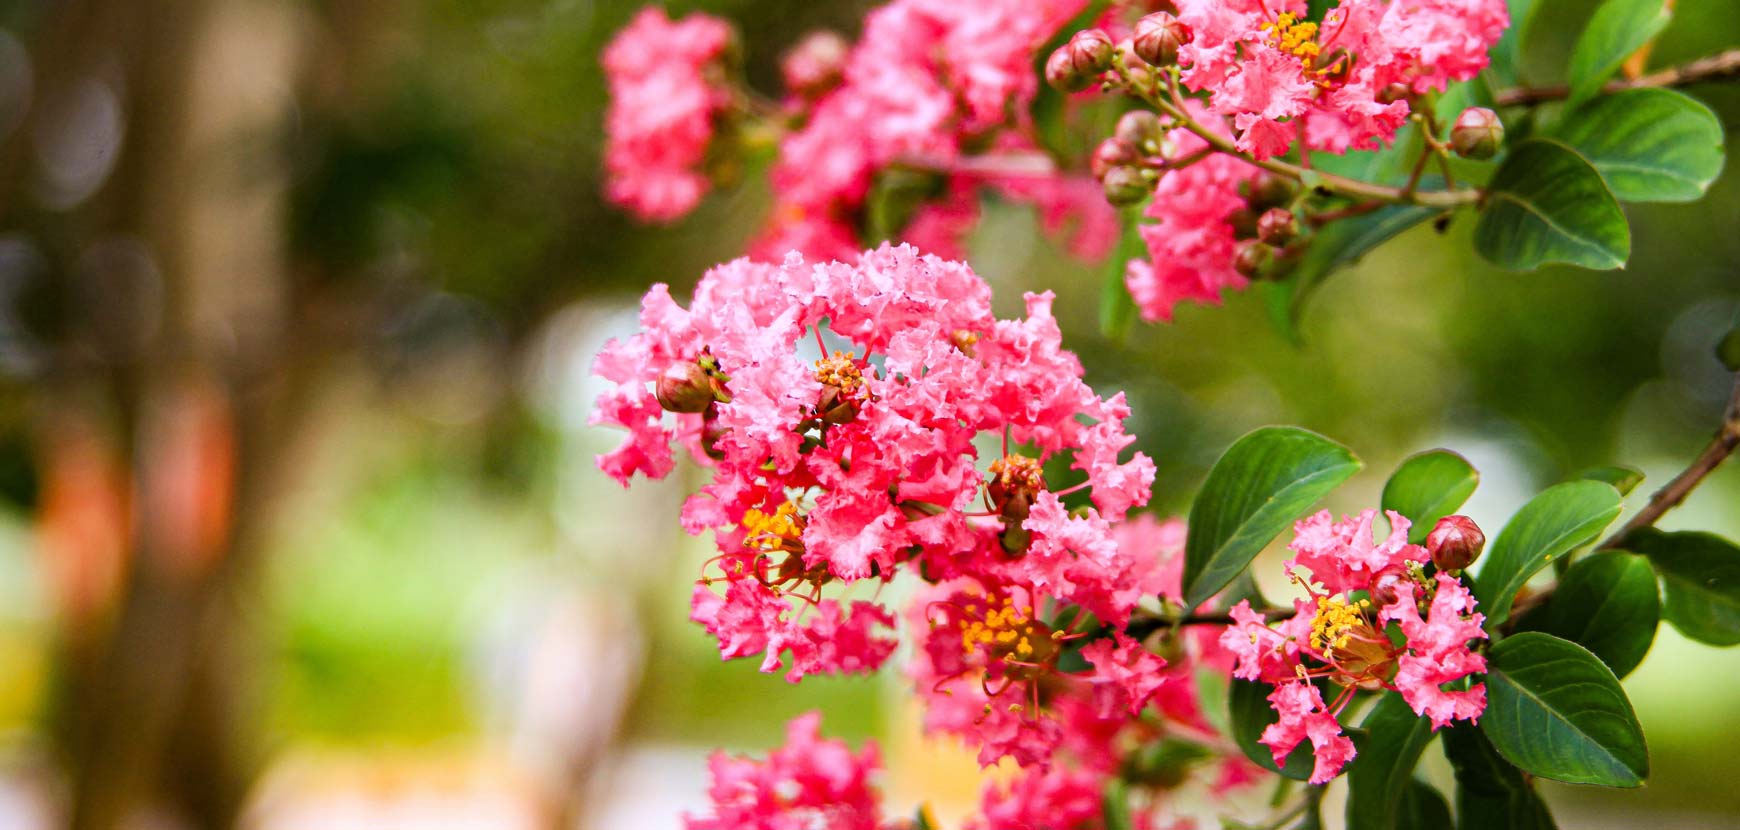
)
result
[(1427, 487), (1556, 711), (1608, 603), (1700, 575), (1115, 806), (1379, 777), (1617, 29), (1506, 64), (1423, 808), (1249, 713), (1259, 487), (1491, 794), (1650, 145), (1728, 351), (1547, 204), (1117, 307), (1624, 479), (1561, 519)]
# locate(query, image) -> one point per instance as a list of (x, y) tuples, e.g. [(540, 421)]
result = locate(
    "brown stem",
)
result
[(1721, 446), (1318, 220), (1716, 67)]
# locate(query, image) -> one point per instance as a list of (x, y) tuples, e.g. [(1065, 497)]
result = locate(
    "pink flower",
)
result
[(1126, 675), (808, 782), (1438, 651), (1342, 555), (664, 98), (1041, 799), (1304, 717), (1190, 241)]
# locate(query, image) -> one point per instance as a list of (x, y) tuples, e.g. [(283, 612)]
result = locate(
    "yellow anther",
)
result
[(1295, 37), (1332, 625), (840, 372), (772, 532)]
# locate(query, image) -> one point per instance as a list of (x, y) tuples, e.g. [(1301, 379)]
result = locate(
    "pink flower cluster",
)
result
[(1338, 639), (666, 90), (833, 468), (1339, 84), (809, 782)]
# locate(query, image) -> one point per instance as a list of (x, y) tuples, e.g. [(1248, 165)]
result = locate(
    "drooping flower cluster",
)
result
[(1339, 84), (808, 782), (666, 91), (830, 468), (1335, 638)]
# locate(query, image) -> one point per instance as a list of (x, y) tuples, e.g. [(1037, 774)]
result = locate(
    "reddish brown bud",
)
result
[(1126, 185), (1158, 38), (1384, 586), (1140, 129), (1078, 63), (1277, 226), (815, 64), (685, 387), (1455, 542), (1253, 259), (1477, 133), (1113, 152), (1269, 190)]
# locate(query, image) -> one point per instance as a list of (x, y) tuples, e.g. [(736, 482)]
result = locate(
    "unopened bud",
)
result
[(1269, 190), (1113, 152), (1477, 133), (1455, 542), (1158, 38), (1277, 226), (1078, 63), (1126, 186), (1384, 587), (1141, 129), (816, 64), (685, 387), (1252, 259)]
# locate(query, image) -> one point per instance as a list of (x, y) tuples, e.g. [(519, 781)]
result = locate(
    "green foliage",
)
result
[(1248, 714), (1422, 808), (1700, 575), (1507, 53), (1624, 479), (1650, 145), (1548, 204), (1115, 806), (1561, 519), (1429, 486), (1117, 307), (1608, 603), (1556, 711), (1381, 777), (1264, 482), (1617, 29), (1491, 793)]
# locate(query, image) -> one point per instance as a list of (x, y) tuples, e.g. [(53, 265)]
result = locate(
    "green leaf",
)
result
[(1282, 300), (1557, 711), (1561, 519), (1547, 204), (1650, 145), (1608, 603), (1249, 713), (1423, 808), (1427, 487), (1506, 64), (1117, 307), (1491, 794), (1264, 482), (1381, 773), (1617, 29), (1700, 574), (1115, 806), (1624, 479)]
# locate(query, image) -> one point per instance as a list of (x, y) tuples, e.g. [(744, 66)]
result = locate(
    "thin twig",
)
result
[(1713, 68), (1721, 446)]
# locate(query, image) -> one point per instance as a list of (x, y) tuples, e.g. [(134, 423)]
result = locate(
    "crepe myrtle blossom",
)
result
[(862, 458), (808, 782), (667, 90), (1334, 638)]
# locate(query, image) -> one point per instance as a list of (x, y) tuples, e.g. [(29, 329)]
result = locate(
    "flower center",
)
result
[(1295, 37), (781, 530), (1009, 633), (1332, 626), (841, 373)]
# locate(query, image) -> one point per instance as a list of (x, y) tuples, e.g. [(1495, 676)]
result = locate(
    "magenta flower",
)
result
[(808, 782)]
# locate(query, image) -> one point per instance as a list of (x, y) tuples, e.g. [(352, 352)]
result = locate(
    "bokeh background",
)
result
[(298, 521)]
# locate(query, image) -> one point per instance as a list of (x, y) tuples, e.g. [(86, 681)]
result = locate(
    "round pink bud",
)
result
[(1277, 226), (1269, 190), (1477, 133), (1126, 185), (1077, 64), (684, 387), (1158, 38), (1455, 542), (815, 65), (1253, 259), (1141, 129), (1113, 152)]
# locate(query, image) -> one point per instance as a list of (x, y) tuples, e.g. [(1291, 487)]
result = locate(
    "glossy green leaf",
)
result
[(1617, 29), (1423, 808), (1548, 204), (1650, 145), (1608, 603), (1382, 772), (1427, 487), (1624, 479), (1700, 575), (1506, 66), (1117, 307), (1561, 519), (1491, 793), (1249, 713), (1556, 711), (1264, 482)]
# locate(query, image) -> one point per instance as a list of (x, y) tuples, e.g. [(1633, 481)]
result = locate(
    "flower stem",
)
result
[(1716, 67), (1726, 440)]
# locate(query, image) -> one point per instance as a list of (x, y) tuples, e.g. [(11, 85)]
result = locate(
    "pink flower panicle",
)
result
[(808, 782)]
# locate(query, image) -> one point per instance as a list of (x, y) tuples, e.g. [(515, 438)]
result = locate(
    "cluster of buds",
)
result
[(1125, 164), (1265, 225), (1158, 37), (1076, 65)]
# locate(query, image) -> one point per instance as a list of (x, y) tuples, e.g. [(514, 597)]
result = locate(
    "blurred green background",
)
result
[(297, 307)]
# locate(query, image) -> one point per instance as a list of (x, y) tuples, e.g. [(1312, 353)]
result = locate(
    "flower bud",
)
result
[(1477, 133), (815, 65), (1158, 38), (1113, 152), (1078, 63), (1126, 186), (1269, 190), (1384, 586), (685, 387), (1141, 129), (1252, 259), (1455, 542), (1277, 226)]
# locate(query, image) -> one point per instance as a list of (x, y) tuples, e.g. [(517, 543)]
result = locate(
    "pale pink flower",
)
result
[(1438, 651), (808, 782), (1304, 717)]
